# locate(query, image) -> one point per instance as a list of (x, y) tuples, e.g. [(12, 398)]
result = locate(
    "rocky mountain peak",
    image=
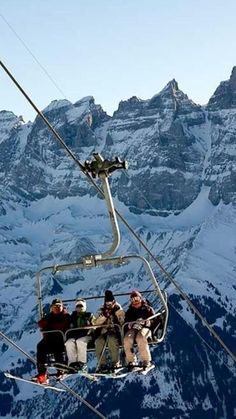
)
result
[(172, 86), (232, 80), (225, 94), (9, 118), (8, 122), (177, 103), (135, 104), (6, 115), (132, 104), (168, 92), (56, 105), (85, 101)]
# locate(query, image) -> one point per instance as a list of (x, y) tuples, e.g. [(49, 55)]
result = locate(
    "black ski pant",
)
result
[(47, 346)]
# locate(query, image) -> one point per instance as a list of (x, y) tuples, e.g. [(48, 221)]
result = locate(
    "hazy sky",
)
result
[(113, 49)]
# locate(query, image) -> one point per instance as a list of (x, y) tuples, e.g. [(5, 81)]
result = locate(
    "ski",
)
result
[(46, 386), (118, 373), (93, 376), (123, 372), (140, 370), (72, 371), (85, 374), (63, 367), (135, 369), (110, 374), (147, 370)]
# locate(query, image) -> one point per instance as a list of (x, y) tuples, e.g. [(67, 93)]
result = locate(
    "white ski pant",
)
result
[(140, 337), (76, 349)]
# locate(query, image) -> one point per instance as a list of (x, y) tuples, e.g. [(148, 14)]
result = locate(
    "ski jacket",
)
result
[(81, 319), (52, 321), (109, 317), (143, 312)]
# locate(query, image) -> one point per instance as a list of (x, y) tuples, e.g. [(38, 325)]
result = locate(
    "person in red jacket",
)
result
[(52, 342), (139, 331)]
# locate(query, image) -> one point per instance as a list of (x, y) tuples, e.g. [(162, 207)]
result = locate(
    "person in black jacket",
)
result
[(109, 315), (138, 330), (76, 345), (57, 320)]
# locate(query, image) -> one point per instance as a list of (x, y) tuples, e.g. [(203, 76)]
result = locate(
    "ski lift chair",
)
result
[(103, 168)]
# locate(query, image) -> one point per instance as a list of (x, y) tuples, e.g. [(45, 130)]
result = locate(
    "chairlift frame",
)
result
[(103, 168)]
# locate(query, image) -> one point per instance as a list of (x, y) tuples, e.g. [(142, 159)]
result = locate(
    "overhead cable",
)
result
[(70, 390), (34, 57), (2, 335)]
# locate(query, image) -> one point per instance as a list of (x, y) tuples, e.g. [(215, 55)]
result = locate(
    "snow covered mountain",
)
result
[(179, 195)]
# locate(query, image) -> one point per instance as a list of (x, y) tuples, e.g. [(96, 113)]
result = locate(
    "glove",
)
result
[(137, 326), (141, 322)]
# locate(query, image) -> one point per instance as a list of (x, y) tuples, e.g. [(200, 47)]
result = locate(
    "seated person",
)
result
[(138, 331), (110, 313), (76, 345), (57, 319)]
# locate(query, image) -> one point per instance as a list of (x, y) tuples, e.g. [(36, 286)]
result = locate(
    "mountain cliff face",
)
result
[(179, 195)]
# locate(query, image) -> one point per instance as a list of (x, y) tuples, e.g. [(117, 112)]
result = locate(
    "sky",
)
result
[(113, 50)]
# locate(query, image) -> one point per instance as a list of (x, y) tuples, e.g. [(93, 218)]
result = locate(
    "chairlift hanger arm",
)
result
[(103, 168)]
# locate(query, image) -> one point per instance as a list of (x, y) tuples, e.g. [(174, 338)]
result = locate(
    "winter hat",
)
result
[(56, 301), (108, 296), (80, 302), (135, 293)]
